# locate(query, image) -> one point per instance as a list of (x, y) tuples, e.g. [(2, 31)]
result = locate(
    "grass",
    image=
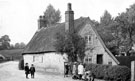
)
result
[(15, 53)]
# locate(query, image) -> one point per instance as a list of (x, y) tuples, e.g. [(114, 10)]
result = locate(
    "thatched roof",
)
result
[(43, 40)]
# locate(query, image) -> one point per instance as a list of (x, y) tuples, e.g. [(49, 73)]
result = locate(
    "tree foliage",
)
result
[(72, 44), (52, 16), (4, 42), (118, 33), (106, 19), (19, 45)]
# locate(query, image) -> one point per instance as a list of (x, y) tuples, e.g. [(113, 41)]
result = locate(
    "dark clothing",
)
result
[(26, 75), (75, 77), (32, 75), (80, 76), (32, 71), (26, 71), (67, 69)]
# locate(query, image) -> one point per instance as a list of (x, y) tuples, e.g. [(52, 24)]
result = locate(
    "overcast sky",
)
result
[(18, 18)]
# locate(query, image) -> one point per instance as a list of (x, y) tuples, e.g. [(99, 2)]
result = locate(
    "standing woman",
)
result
[(26, 70), (80, 70)]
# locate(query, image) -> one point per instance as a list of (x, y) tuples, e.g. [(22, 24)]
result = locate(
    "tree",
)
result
[(130, 29), (19, 45), (105, 25), (126, 23), (5, 42), (72, 44), (22, 45), (52, 16), (106, 19), (119, 30), (110, 31)]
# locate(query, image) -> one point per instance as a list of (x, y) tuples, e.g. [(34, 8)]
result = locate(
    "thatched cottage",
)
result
[(41, 52)]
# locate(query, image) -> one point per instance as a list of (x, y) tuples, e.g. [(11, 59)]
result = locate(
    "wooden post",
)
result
[(133, 71)]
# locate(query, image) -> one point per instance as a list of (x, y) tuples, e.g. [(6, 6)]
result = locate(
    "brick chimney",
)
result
[(69, 19), (41, 22)]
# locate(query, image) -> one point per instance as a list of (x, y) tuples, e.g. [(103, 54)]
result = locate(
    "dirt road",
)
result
[(9, 72)]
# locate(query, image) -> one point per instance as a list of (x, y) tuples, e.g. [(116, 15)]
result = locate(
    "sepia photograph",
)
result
[(67, 40)]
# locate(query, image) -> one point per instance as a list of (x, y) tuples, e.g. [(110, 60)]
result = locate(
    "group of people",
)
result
[(30, 70), (78, 71)]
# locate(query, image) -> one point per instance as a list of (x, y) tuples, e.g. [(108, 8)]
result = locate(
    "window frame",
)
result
[(39, 61), (89, 39), (110, 63), (88, 59)]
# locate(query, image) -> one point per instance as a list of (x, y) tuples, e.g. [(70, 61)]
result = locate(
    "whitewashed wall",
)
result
[(48, 61)]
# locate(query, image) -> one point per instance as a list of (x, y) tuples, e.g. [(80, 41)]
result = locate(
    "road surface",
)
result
[(9, 72)]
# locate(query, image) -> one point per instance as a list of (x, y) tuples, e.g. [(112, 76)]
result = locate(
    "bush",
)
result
[(108, 72), (21, 64), (118, 73)]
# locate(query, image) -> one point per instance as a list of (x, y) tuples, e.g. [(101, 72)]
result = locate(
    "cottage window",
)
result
[(88, 39), (110, 63), (88, 59), (38, 59)]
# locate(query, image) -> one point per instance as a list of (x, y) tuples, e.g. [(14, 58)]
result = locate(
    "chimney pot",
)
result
[(69, 7), (41, 22), (40, 17)]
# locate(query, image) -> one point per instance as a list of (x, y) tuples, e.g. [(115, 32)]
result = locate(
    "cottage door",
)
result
[(99, 59)]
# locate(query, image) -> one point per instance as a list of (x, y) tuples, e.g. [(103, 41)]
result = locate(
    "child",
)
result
[(26, 70), (32, 70)]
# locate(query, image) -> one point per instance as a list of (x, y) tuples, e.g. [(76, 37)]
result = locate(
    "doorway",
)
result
[(100, 59)]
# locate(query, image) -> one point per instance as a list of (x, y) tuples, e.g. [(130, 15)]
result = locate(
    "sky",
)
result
[(18, 18)]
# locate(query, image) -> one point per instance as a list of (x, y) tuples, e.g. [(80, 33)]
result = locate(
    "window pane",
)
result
[(89, 59), (86, 60), (110, 63), (86, 39), (89, 38)]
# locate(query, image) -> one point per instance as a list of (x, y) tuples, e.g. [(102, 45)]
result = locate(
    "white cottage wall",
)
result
[(52, 61)]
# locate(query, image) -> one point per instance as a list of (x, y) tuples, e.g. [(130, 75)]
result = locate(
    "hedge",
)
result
[(109, 73), (21, 64)]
